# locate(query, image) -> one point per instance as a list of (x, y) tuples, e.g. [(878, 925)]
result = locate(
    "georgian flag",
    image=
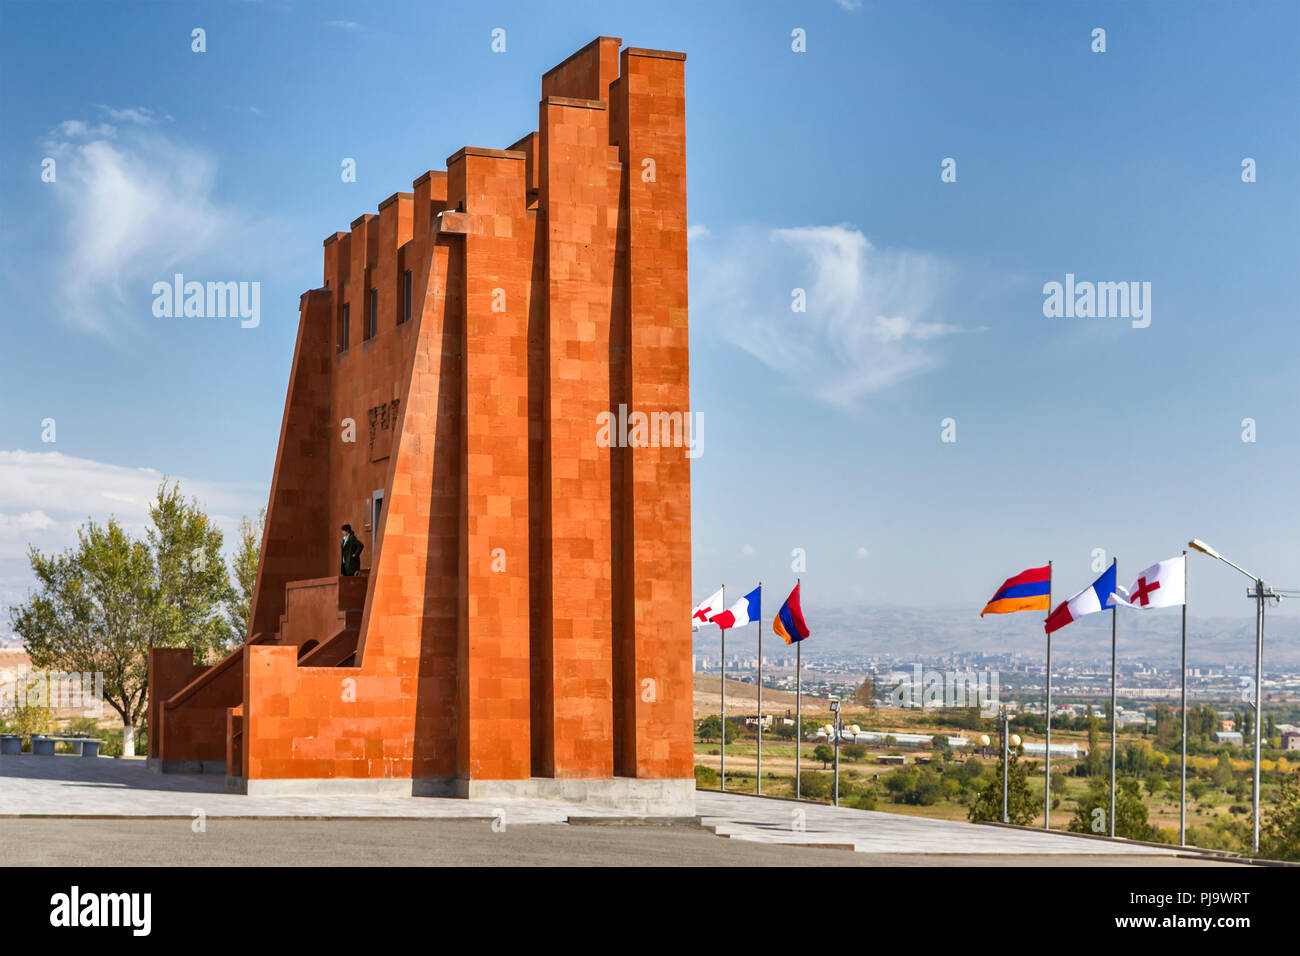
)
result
[(1164, 584), (705, 610), (745, 611), (1095, 597)]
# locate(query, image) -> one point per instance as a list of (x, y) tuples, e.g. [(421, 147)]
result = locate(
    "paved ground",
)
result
[(441, 842), (72, 810)]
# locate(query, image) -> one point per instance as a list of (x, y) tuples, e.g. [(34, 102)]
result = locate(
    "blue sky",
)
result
[(817, 170)]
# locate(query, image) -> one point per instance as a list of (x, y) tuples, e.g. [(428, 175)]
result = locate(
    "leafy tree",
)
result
[(854, 751), (1021, 805), (939, 742), (1279, 835), (102, 604), (1092, 763), (1196, 788), (815, 786), (1222, 776), (1155, 783), (1131, 820), (244, 573), (189, 575), (865, 693), (1058, 782), (823, 753), (1168, 727), (709, 728), (95, 611)]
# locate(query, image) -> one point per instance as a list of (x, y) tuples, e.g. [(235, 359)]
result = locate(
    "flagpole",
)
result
[(1047, 747), (798, 710), (723, 688), (758, 782), (1182, 802), (1114, 611), (1004, 762)]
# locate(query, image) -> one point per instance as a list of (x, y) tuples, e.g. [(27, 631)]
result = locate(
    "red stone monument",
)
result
[(520, 625)]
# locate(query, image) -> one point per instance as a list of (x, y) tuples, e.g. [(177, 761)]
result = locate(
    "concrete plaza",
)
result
[(53, 810)]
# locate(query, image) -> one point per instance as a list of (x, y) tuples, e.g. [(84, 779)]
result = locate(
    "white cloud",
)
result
[(47, 496), (135, 205), (343, 24), (747, 549), (697, 232), (850, 5), (869, 319), (861, 552)]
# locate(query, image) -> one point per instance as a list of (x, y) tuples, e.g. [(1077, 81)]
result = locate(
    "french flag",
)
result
[(1095, 597), (745, 611)]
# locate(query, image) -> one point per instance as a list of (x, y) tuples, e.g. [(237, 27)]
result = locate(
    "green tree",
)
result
[(189, 575), (243, 569), (823, 753), (1168, 727), (864, 695), (1131, 820), (709, 728), (1092, 763), (1154, 783), (102, 604), (815, 786), (95, 610), (1279, 833), (1021, 805), (1222, 775)]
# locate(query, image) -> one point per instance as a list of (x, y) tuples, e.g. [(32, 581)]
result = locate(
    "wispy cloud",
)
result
[(343, 24), (47, 495), (135, 203), (869, 317)]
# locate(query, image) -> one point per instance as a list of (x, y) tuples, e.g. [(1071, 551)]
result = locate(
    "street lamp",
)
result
[(1261, 592), (835, 709)]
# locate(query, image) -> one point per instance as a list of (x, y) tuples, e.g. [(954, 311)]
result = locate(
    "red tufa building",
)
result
[(519, 627)]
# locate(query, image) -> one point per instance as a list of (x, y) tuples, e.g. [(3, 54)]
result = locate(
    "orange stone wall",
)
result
[(527, 598)]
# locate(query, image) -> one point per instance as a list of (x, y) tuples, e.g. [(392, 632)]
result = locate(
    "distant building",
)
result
[(1226, 737), (1069, 751), (1291, 740)]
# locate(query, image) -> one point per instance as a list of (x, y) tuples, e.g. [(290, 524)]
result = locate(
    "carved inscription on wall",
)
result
[(383, 426)]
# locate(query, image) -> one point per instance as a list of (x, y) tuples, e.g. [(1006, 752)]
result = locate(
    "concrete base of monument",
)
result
[(156, 765), (630, 794), (672, 798)]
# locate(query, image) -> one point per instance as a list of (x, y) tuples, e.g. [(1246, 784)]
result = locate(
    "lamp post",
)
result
[(835, 709), (1005, 747), (1261, 592)]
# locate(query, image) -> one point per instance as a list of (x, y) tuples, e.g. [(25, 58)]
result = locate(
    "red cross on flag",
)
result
[(1161, 585)]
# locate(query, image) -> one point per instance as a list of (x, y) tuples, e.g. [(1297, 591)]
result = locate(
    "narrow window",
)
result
[(372, 320), (406, 296), (344, 326)]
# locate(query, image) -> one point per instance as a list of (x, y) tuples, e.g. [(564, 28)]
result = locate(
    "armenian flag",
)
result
[(1028, 591), (789, 623)]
